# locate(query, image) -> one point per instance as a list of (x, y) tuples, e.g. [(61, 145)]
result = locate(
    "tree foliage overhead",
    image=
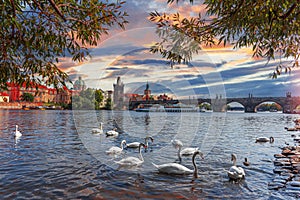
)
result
[(271, 28), (34, 34)]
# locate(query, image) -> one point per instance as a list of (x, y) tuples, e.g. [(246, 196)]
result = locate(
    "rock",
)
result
[(279, 180), (282, 162), (294, 183), (286, 152), (281, 170), (275, 186), (279, 156)]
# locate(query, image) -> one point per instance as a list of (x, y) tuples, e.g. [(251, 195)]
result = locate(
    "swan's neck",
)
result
[(100, 127), (141, 156), (195, 166), (16, 128), (122, 144), (178, 153), (234, 162)]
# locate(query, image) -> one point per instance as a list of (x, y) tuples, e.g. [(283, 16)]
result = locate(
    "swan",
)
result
[(235, 172), (17, 133), (132, 161), (136, 144), (265, 139), (178, 169), (98, 130), (112, 132), (116, 150), (187, 151), (246, 162), (176, 143), (184, 152)]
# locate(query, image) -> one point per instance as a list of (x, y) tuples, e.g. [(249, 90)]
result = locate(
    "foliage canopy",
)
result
[(35, 34), (271, 28)]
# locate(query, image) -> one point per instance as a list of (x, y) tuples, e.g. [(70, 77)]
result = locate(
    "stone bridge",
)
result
[(219, 104)]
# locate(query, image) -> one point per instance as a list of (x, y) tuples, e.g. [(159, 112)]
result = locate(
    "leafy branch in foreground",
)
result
[(35, 34), (271, 28)]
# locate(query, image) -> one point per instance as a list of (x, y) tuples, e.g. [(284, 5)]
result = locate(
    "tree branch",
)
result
[(57, 9), (288, 12)]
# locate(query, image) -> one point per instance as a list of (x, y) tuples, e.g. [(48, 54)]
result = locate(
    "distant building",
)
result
[(41, 93), (118, 97), (4, 97), (79, 84), (107, 96), (148, 96), (147, 92)]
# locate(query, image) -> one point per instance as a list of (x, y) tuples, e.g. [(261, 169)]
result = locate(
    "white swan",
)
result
[(176, 143), (178, 169), (17, 133), (187, 151), (98, 130), (265, 139), (235, 172), (136, 144), (132, 161), (112, 132), (183, 152), (116, 150)]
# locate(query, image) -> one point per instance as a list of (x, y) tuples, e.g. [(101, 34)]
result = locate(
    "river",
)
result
[(58, 157)]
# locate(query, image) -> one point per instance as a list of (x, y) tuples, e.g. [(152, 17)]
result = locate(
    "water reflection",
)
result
[(58, 156)]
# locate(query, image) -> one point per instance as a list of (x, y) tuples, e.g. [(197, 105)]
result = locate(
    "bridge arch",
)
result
[(234, 106), (205, 105), (272, 106)]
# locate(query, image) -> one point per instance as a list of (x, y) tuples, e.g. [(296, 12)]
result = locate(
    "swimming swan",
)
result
[(265, 139), (98, 130), (235, 172), (112, 132), (178, 169), (176, 143), (132, 161), (17, 133), (184, 152), (136, 144), (116, 150)]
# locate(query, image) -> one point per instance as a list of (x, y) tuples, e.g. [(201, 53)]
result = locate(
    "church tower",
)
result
[(147, 92), (118, 95)]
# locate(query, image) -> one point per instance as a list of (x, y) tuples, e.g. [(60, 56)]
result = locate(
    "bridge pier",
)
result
[(218, 104), (250, 109)]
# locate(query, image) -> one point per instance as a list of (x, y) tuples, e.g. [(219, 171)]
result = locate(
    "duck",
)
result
[(116, 150), (112, 132), (246, 162), (98, 130), (17, 133), (136, 144), (235, 172), (132, 161), (265, 139), (178, 169)]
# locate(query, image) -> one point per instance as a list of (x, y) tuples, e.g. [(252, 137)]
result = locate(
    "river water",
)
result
[(58, 157)]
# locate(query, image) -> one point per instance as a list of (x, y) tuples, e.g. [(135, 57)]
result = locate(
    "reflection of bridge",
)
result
[(250, 103)]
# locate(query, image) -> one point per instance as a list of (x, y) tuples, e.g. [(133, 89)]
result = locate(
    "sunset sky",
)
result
[(232, 73)]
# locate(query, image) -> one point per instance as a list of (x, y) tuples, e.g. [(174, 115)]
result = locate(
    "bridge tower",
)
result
[(218, 104), (249, 105), (288, 105)]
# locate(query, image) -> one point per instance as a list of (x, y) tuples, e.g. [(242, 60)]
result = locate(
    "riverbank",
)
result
[(287, 167), (26, 106)]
